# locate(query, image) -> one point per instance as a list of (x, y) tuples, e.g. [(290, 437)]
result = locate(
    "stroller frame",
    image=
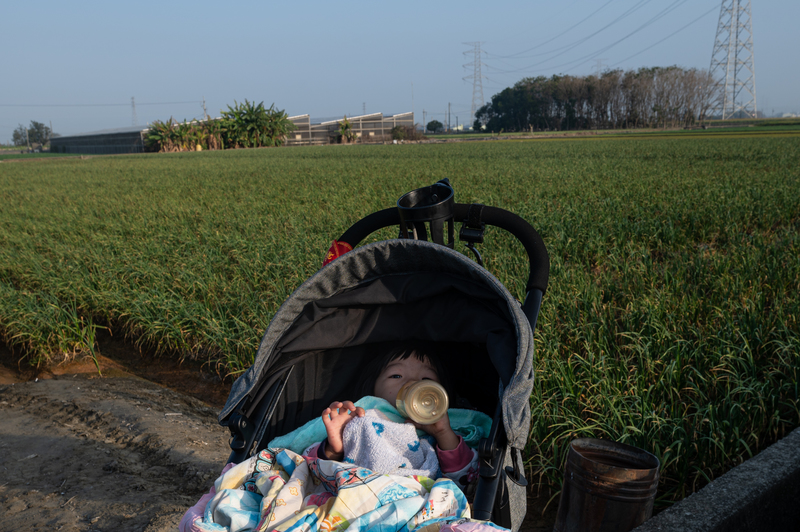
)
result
[(501, 476)]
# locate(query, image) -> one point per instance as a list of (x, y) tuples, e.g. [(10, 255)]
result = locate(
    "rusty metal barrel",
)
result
[(608, 487)]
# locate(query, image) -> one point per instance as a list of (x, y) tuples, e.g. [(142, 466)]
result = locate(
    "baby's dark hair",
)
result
[(420, 350)]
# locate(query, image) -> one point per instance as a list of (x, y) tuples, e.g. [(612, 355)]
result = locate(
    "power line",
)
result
[(573, 45), (597, 53), (90, 104), (577, 62), (672, 7), (665, 38), (553, 38), (658, 16)]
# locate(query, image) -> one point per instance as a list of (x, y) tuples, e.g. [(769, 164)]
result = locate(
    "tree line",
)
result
[(648, 97)]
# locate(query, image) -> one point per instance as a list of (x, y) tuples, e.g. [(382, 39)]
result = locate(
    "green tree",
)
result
[(20, 136), (647, 97), (37, 133), (434, 126), (398, 133)]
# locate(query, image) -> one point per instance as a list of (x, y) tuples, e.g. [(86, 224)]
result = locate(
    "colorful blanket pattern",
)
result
[(281, 490)]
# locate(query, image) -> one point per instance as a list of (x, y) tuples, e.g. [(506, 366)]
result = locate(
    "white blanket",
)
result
[(383, 446)]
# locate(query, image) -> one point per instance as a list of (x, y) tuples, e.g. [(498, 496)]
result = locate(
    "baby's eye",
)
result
[(395, 376)]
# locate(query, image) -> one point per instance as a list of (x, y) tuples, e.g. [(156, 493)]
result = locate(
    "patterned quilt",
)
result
[(281, 490)]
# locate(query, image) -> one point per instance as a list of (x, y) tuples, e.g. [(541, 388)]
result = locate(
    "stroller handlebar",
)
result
[(369, 224), (528, 237), (516, 225)]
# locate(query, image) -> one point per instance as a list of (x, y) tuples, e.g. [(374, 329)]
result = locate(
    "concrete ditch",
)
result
[(762, 494)]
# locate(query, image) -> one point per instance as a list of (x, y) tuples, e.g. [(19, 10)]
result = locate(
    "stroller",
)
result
[(377, 295)]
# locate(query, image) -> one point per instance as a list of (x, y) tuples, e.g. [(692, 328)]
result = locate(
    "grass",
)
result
[(779, 126), (789, 121), (671, 322), (17, 155), (781, 122)]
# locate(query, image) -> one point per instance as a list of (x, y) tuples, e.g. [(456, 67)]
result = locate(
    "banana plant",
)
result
[(212, 129), (346, 130), (243, 125), (247, 125), (184, 136), (161, 136)]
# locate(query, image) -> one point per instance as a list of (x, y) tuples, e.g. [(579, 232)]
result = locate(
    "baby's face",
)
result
[(399, 372)]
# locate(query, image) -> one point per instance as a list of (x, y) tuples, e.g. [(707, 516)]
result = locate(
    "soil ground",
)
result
[(81, 452)]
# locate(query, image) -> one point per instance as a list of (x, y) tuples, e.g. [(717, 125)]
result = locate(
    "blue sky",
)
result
[(333, 58)]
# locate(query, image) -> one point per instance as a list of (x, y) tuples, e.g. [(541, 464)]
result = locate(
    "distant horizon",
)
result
[(81, 66), (315, 120)]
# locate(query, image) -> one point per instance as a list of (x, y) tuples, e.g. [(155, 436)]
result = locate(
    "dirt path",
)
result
[(84, 453)]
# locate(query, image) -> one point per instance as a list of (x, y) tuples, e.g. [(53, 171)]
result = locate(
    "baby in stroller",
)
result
[(375, 440), (363, 448)]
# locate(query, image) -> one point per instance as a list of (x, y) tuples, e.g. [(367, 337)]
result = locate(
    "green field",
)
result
[(783, 127), (671, 321), (15, 154)]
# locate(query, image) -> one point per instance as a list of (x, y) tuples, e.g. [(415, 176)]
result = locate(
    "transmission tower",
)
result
[(732, 63), (476, 77), (598, 68), (134, 120)]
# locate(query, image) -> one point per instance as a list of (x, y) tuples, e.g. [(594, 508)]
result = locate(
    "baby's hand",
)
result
[(335, 417), (446, 438)]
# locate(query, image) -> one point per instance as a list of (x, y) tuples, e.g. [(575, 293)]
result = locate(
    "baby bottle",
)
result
[(423, 401)]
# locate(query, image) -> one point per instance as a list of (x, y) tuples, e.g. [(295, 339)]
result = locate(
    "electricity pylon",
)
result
[(732, 64), (476, 77), (134, 119)]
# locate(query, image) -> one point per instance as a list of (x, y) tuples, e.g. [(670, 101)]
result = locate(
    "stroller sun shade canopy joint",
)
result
[(380, 294)]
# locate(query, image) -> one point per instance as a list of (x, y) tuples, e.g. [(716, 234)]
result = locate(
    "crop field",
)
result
[(15, 154), (778, 127), (671, 321)]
